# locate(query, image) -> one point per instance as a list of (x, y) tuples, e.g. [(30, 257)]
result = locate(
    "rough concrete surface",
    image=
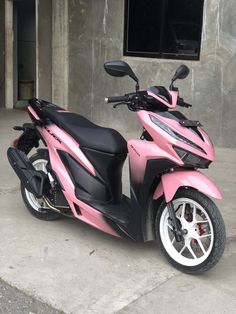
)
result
[(2, 55), (14, 301), (77, 269), (213, 292)]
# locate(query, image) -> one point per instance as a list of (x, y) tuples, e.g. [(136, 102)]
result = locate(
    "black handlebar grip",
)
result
[(186, 105), (18, 128), (116, 99)]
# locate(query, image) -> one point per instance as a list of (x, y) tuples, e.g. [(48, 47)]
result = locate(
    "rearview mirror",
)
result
[(119, 68), (181, 73)]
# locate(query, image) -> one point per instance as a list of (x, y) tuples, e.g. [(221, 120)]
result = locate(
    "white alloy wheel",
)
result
[(198, 233)]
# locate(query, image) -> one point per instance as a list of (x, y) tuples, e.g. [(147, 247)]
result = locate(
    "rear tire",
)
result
[(204, 241), (37, 207)]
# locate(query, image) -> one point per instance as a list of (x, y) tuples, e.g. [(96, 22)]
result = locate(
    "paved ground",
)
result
[(77, 269), (14, 301), (211, 293)]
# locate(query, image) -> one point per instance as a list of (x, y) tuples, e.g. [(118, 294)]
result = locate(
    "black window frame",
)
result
[(160, 54)]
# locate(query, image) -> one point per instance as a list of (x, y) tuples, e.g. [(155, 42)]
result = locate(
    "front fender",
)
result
[(171, 182)]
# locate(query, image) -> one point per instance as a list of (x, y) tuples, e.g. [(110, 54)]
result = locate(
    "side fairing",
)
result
[(147, 163), (166, 141), (59, 141)]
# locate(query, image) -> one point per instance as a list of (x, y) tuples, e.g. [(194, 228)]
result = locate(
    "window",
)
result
[(163, 28)]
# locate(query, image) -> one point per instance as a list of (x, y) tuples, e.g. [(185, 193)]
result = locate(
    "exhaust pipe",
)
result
[(32, 179)]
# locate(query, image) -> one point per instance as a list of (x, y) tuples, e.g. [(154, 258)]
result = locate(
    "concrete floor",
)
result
[(77, 269), (14, 301)]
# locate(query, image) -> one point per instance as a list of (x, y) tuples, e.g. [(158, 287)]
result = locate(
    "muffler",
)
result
[(32, 179)]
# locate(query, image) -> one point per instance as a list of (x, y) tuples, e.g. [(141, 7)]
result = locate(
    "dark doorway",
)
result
[(24, 52)]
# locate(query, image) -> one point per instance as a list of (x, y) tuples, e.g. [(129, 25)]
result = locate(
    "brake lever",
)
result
[(182, 103), (119, 103)]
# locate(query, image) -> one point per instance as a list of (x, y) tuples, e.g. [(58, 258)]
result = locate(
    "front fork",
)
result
[(178, 232)]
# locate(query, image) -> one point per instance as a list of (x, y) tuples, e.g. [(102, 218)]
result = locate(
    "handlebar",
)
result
[(116, 99), (138, 100)]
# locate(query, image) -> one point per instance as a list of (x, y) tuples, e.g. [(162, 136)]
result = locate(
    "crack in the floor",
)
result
[(149, 291)]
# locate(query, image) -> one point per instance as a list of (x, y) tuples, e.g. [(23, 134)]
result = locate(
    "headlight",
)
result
[(174, 134), (190, 159)]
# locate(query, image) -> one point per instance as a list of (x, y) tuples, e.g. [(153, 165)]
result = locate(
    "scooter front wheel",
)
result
[(203, 232)]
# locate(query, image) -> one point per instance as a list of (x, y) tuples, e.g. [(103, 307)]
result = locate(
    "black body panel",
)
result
[(118, 212), (141, 194), (33, 180), (161, 92), (87, 187), (130, 215), (154, 169), (28, 139), (109, 168), (174, 115)]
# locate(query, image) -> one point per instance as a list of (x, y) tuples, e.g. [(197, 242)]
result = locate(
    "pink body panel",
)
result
[(140, 152), (162, 148), (166, 141), (171, 182), (174, 98), (30, 109), (57, 139), (158, 192)]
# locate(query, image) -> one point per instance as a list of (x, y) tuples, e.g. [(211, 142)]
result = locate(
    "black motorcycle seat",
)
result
[(86, 133)]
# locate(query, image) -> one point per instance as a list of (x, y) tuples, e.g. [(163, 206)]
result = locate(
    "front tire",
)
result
[(37, 207), (204, 232)]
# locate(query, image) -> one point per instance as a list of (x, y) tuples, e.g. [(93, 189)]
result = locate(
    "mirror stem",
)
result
[(137, 87)]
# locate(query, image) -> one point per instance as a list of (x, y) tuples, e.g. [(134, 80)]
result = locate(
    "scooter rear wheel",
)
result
[(37, 207), (203, 232)]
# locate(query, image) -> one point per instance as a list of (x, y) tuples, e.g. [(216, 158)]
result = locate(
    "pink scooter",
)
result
[(79, 173)]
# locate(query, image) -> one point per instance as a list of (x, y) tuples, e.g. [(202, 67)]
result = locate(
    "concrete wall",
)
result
[(60, 52), (44, 50), (2, 55), (96, 35)]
